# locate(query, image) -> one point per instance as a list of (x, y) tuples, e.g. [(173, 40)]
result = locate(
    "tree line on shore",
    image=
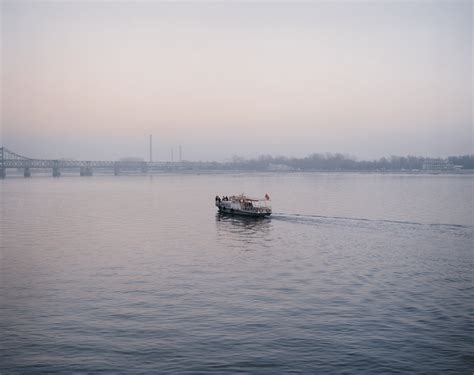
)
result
[(330, 162)]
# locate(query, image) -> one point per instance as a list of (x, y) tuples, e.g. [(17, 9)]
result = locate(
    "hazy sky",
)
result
[(91, 80)]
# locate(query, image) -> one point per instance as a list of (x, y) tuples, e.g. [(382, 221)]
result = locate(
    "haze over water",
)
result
[(353, 273), (91, 80)]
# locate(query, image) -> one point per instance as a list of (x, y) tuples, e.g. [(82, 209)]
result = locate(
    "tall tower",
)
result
[(180, 153), (151, 148)]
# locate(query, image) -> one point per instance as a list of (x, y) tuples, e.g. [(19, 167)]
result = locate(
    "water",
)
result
[(354, 273)]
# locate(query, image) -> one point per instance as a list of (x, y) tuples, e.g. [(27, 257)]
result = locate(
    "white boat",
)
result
[(242, 205)]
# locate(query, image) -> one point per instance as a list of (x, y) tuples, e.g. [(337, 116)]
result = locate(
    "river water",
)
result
[(353, 273)]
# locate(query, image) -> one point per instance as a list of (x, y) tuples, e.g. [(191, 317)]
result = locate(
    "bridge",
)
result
[(12, 160)]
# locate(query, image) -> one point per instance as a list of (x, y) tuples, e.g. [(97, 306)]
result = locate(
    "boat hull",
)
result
[(232, 211)]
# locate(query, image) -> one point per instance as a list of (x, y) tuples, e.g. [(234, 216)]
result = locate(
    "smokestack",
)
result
[(180, 153), (172, 155), (151, 148)]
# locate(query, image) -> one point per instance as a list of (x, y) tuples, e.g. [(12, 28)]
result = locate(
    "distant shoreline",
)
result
[(66, 173)]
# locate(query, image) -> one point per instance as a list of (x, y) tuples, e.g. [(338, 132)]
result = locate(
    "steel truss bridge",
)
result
[(10, 159)]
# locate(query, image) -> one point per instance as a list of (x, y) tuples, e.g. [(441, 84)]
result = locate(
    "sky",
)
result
[(91, 80)]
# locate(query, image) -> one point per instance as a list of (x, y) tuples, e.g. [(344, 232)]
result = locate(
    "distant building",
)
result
[(279, 168), (132, 158), (437, 165)]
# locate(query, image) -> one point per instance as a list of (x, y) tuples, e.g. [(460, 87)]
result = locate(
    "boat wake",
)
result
[(362, 222)]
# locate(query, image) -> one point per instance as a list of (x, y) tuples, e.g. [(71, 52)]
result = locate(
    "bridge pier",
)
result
[(86, 171), (9, 159)]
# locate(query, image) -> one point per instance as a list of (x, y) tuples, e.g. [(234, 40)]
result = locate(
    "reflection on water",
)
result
[(237, 231)]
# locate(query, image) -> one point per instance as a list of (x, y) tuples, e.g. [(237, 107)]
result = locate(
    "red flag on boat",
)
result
[(267, 197)]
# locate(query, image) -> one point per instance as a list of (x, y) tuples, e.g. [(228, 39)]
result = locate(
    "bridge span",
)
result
[(12, 160)]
